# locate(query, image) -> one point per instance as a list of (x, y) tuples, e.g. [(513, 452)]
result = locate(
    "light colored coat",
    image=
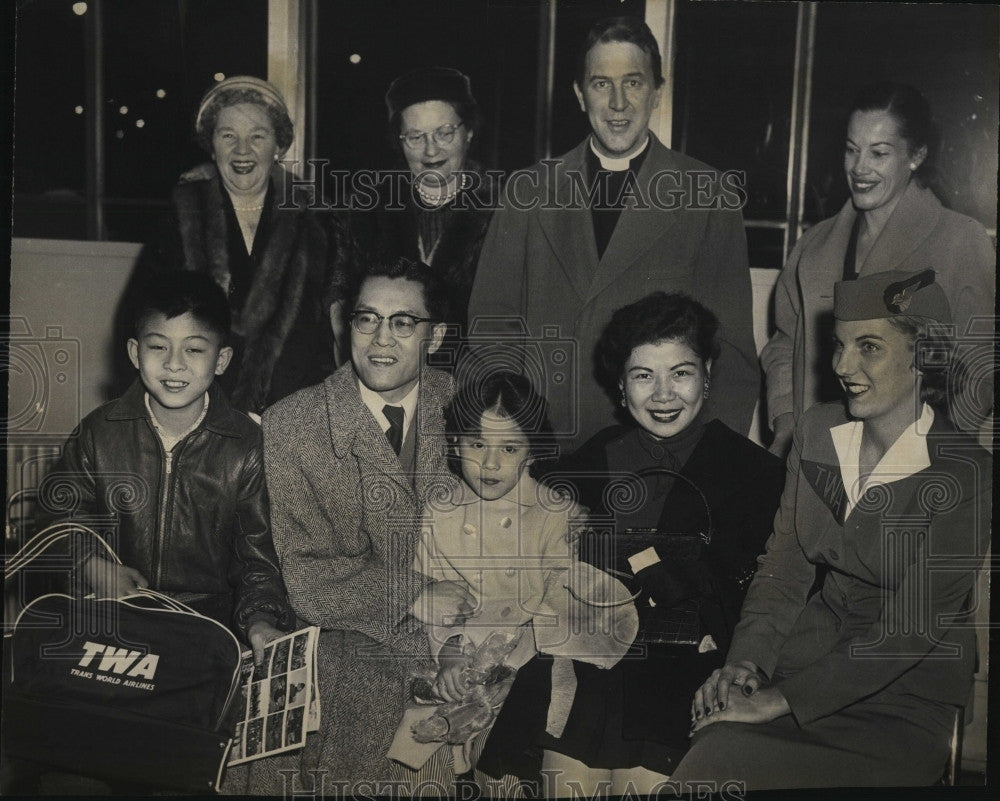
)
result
[(920, 234), (541, 265)]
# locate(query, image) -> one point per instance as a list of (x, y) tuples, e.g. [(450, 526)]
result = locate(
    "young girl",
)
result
[(506, 537)]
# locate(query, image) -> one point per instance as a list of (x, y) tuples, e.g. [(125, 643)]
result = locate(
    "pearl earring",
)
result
[(707, 385)]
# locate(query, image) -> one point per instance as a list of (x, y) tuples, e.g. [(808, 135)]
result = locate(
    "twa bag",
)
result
[(136, 689)]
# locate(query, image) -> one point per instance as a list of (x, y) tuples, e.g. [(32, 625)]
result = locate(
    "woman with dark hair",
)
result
[(854, 647), (237, 219), (440, 212), (685, 505), (893, 221)]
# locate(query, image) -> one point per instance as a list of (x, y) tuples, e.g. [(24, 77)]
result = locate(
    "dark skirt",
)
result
[(638, 713)]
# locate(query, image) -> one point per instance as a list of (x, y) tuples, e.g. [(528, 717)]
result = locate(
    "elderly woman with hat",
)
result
[(854, 650), (440, 212), (237, 219)]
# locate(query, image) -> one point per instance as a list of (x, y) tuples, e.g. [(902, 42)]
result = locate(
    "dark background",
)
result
[(732, 92)]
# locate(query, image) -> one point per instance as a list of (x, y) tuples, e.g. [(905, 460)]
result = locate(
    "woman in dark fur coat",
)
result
[(439, 212), (238, 220)]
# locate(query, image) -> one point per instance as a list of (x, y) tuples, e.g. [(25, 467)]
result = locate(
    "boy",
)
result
[(180, 469)]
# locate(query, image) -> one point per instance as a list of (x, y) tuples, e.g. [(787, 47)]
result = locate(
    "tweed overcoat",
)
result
[(539, 263), (347, 523), (920, 234), (874, 663)]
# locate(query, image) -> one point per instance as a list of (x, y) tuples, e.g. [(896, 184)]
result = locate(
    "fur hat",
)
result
[(430, 83), (889, 294)]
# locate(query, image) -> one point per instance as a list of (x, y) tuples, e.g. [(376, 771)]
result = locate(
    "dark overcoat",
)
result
[(539, 263)]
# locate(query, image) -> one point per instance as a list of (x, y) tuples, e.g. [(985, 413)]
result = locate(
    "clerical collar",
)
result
[(620, 163)]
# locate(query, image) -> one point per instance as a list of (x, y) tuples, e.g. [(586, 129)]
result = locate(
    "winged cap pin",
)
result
[(899, 295)]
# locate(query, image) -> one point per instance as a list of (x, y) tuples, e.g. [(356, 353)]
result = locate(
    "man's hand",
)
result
[(259, 635), (714, 694), (762, 706), (444, 603), (109, 580), (784, 428)]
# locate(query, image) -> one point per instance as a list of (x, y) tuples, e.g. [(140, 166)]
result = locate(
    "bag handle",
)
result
[(52, 534), (652, 471), (169, 603), (47, 537)]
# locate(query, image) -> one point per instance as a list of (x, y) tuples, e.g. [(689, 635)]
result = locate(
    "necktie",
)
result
[(394, 414)]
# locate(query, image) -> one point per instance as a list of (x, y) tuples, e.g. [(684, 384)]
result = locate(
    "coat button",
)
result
[(469, 529), (506, 522), (510, 572), (834, 555), (505, 612)]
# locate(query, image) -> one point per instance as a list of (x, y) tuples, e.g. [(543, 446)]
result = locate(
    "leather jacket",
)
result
[(195, 523)]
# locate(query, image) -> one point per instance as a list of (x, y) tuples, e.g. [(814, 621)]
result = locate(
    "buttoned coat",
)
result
[(920, 234), (874, 663), (540, 264), (347, 523)]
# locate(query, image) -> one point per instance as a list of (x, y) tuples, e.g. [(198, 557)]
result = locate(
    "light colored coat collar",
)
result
[(907, 456), (914, 218)]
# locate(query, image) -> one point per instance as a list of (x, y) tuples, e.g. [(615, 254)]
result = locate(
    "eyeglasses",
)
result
[(442, 135), (401, 325)]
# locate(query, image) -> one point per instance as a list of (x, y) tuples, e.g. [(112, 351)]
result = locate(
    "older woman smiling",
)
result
[(237, 220)]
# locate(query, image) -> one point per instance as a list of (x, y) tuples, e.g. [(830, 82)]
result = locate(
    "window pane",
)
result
[(733, 94), (159, 58), (948, 52), (49, 134)]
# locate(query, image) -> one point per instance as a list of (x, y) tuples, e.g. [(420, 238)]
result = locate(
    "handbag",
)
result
[(138, 688), (678, 623)]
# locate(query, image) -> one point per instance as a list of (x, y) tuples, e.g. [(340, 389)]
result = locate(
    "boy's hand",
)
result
[(444, 603), (108, 580), (259, 635)]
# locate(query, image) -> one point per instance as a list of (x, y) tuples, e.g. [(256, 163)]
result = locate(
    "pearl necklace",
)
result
[(248, 208), (440, 200)]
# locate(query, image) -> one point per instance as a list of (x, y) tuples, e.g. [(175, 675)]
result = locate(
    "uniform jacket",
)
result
[(200, 527), (920, 234), (346, 517), (282, 330), (894, 575), (541, 265)]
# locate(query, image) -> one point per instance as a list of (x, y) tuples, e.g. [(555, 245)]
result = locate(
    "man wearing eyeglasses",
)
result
[(349, 464)]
